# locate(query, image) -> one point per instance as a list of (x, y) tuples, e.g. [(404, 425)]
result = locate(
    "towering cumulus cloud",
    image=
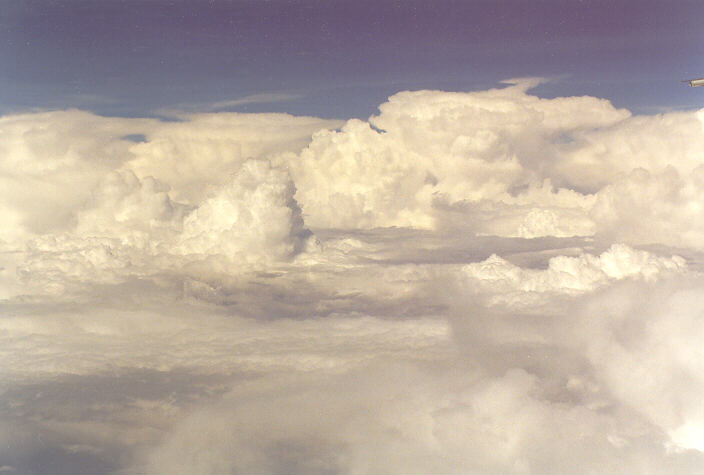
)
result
[(481, 282), (254, 216)]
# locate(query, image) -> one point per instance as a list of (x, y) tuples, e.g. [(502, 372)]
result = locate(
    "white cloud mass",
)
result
[(483, 282)]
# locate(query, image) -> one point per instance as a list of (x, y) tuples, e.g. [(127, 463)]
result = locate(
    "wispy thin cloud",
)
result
[(218, 106), (255, 99)]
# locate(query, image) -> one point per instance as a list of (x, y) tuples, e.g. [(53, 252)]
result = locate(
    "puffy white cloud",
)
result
[(198, 154), (402, 418), (52, 160), (647, 208), (582, 273), (618, 331), (593, 158), (538, 211), (131, 227), (644, 343), (82, 203), (431, 144), (127, 208), (507, 163), (254, 216), (493, 286), (358, 178)]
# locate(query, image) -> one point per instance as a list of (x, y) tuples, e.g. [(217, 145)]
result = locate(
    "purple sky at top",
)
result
[(341, 58)]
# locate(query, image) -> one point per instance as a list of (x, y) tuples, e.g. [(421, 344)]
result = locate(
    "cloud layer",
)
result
[(464, 283)]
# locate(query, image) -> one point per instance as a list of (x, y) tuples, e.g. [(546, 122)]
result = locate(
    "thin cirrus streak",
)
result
[(465, 282)]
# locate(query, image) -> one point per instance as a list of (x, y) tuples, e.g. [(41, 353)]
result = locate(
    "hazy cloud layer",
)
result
[(485, 282)]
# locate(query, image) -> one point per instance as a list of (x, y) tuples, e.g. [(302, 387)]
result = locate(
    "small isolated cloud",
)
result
[(526, 83), (482, 282), (255, 99), (218, 106)]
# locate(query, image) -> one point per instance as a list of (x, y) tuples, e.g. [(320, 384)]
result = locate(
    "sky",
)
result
[(340, 59), (351, 238)]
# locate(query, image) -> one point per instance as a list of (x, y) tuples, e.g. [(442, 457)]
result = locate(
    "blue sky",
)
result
[(340, 58)]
